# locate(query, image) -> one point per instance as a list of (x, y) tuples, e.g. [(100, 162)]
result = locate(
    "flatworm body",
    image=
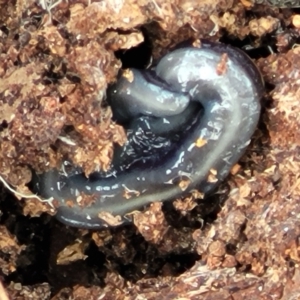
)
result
[(189, 120)]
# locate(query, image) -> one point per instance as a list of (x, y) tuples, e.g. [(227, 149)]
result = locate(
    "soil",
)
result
[(56, 60)]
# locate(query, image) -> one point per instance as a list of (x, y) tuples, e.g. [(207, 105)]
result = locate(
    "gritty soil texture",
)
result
[(56, 60)]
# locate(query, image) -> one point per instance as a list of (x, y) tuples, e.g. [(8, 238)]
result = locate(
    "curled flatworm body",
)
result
[(188, 120)]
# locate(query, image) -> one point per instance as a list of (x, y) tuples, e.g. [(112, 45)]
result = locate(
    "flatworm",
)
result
[(189, 119)]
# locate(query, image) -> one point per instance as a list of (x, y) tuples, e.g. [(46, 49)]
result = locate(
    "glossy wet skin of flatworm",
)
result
[(189, 120)]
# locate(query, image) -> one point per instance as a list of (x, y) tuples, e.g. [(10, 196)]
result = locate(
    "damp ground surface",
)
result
[(56, 60)]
